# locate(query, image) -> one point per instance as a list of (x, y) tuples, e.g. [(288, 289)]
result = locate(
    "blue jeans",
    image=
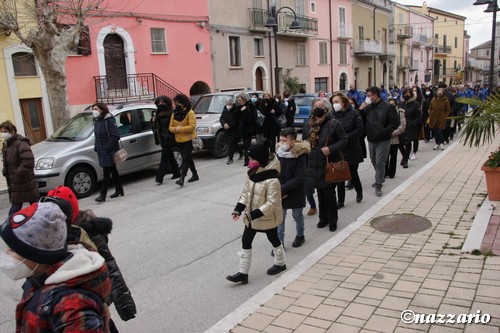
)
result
[(298, 216)]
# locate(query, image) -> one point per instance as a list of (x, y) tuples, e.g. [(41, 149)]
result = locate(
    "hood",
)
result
[(18, 137), (299, 148), (77, 269), (98, 225), (412, 99)]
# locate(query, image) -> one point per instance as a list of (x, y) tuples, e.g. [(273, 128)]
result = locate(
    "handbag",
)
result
[(336, 172), (281, 121), (197, 144), (121, 154), (260, 118)]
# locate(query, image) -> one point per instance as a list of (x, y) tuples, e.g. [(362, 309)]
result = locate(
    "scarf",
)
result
[(180, 113), (314, 127)]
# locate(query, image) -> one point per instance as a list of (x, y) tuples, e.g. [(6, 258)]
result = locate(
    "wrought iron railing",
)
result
[(258, 19), (132, 87)]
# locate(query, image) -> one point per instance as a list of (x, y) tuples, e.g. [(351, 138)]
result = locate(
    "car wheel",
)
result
[(220, 147), (81, 180)]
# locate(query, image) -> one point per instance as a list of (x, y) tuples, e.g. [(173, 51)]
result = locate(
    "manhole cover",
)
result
[(400, 223)]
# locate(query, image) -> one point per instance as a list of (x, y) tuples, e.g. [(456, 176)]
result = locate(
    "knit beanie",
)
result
[(65, 193), (260, 152), (37, 233)]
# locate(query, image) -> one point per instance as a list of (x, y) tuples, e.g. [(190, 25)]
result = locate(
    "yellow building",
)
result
[(449, 42), (373, 53)]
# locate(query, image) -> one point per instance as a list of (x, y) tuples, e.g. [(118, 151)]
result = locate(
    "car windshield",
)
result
[(79, 128), (211, 104), (303, 100)]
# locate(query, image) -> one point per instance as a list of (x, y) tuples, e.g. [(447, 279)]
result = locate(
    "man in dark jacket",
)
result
[(229, 120), (292, 155), (381, 120)]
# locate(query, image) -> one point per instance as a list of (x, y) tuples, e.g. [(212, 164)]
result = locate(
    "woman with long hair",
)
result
[(106, 143), (183, 126)]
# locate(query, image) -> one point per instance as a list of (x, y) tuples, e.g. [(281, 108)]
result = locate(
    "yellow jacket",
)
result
[(187, 127)]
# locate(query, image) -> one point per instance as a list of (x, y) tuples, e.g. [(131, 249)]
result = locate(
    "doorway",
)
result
[(259, 82), (114, 57), (34, 124), (343, 82)]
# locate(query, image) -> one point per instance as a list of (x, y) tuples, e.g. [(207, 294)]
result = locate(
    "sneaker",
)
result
[(312, 211), (413, 156), (229, 161), (378, 191), (436, 147), (441, 147), (299, 240)]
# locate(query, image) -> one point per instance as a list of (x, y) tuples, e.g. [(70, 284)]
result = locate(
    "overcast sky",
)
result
[(478, 23)]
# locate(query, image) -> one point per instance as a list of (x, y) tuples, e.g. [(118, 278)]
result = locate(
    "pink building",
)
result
[(421, 50), (140, 49)]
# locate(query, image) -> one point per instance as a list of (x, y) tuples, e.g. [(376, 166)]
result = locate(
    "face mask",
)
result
[(253, 165), (319, 112), (96, 113), (13, 268), (406, 97), (427, 93), (6, 136), (277, 100), (254, 99), (285, 147), (337, 107), (162, 107), (228, 107), (368, 100)]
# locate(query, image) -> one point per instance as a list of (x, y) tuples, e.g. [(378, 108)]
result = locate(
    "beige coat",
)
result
[(264, 195), (400, 129)]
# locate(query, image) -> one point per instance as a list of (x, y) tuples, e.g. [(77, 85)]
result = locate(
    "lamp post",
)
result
[(272, 22), (492, 8)]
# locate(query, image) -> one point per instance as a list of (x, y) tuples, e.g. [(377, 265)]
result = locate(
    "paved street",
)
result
[(176, 245)]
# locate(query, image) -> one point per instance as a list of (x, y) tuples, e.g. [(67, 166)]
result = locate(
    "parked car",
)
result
[(67, 157), (208, 110), (303, 102)]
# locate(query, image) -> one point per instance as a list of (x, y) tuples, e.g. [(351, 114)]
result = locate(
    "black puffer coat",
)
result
[(248, 119), (232, 118), (413, 117), (162, 135), (353, 126), (293, 174), (332, 131), (98, 229), (270, 128), (18, 169), (106, 139)]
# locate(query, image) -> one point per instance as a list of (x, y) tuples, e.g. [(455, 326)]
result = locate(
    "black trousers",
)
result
[(405, 149), (249, 235), (355, 181), (392, 160), (108, 172), (327, 203), (232, 144), (247, 141), (167, 156), (186, 149)]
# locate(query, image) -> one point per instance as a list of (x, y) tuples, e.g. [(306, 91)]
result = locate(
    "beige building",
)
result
[(373, 53), (449, 42)]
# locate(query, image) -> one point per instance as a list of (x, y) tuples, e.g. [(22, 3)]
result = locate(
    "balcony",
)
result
[(442, 50), (421, 40), (414, 65), (403, 31), (258, 19), (365, 47), (388, 50), (449, 72), (345, 31), (403, 63)]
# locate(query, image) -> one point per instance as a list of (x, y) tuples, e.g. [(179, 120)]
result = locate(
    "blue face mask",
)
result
[(254, 99)]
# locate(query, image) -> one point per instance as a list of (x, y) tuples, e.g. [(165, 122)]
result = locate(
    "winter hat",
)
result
[(37, 233), (260, 152), (65, 193)]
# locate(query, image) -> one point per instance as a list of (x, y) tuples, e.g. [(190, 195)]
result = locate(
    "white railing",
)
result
[(367, 46), (345, 31)]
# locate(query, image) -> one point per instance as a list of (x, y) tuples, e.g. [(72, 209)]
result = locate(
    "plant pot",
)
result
[(492, 176)]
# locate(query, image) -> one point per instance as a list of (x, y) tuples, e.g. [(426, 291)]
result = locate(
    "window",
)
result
[(301, 54), (361, 32), (313, 7), (158, 43), (456, 42), (320, 83), (24, 64), (455, 64), (257, 4), (444, 67), (234, 51), (343, 53), (323, 53), (258, 47), (342, 21)]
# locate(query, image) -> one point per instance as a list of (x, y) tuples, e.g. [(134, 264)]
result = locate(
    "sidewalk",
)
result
[(362, 279)]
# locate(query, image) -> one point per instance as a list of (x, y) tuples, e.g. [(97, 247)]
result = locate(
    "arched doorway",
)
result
[(384, 76), (114, 57), (198, 89), (259, 82), (343, 82)]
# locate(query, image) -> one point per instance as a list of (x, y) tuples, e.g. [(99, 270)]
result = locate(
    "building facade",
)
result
[(421, 48)]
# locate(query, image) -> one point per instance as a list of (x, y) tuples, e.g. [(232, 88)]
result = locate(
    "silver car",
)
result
[(68, 158)]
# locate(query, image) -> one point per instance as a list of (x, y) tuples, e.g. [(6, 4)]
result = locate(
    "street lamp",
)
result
[(492, 8), (272, 22)]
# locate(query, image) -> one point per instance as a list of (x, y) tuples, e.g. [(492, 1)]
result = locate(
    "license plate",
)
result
[(299, 120)]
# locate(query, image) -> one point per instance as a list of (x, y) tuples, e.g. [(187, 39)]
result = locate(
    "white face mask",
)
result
[(368, 100), (13, 268), (6, 136), (229, 107), (96, 113), (277, 100), (337, 107)]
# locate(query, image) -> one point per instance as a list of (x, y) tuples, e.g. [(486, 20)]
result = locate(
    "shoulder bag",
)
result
[(121, 154), (336, 172)]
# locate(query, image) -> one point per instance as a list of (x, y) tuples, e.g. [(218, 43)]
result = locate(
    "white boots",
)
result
[(279, 261), (245, 261)]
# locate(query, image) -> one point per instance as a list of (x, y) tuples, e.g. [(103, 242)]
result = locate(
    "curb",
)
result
[(479, 225)]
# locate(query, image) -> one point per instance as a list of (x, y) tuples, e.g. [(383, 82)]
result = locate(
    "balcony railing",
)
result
[(442, 49), (367, 47), (419, 40), (133, 87), (403, 31), (403, 63), (388, 50), (345, 31), (258, 19), (414, 65)]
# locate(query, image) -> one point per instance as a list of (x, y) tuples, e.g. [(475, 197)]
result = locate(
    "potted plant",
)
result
[(479, 128)]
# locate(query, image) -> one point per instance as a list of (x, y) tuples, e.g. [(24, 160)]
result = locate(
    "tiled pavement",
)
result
[(367, 278)]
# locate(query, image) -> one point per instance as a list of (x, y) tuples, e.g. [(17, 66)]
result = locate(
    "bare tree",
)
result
[(51, 29)]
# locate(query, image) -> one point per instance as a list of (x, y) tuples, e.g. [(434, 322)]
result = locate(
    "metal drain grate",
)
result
[(400, 223)]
